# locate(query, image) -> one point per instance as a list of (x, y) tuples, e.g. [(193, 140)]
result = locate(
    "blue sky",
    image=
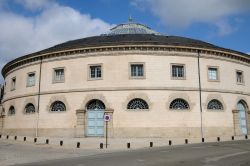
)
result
[(31, 25)]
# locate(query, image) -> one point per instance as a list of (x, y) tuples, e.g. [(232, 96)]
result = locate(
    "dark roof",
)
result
[(124, 39), (110, 40)]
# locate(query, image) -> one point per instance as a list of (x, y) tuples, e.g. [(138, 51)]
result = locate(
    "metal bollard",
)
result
[(47, 141), (15, 137), (128, 145), (101, 145), (203, 140), (232, 137), (186, 141), (246, 137), (24, 138), (7, 137), (35, 140), (218, 139), (151, 144), (61, 143), (169, 142), (78, 145)]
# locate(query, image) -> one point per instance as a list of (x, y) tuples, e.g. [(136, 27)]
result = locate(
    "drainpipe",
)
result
[(39, 94), (199, 75)]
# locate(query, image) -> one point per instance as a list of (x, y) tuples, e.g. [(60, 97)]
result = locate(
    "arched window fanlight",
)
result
[(58, 106), (179, 104), (242, 105), (95, 105), (137, 104), (30, 108), (12, 110), (215, 105)]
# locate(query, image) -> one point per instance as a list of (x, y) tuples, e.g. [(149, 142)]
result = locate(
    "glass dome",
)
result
[(131, 28)]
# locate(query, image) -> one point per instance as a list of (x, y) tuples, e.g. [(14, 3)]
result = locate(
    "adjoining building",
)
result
[(152, 85)]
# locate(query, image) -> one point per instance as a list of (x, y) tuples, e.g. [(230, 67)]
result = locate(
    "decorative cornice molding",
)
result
[(164, 48)]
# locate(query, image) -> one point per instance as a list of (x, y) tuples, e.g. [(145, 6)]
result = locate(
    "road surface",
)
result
[(233, 153)]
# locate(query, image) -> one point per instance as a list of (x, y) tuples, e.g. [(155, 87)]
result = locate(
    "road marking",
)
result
[(140, 160), (212, 159)]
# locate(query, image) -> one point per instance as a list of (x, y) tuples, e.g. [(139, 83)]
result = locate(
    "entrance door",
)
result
[(242, 117), (95, 122)]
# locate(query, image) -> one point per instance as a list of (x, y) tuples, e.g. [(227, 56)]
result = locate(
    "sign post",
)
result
[(107, 119)]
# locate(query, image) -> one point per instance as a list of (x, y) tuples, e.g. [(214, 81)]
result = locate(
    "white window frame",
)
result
[(209, 74), (176, 77), (55, 80), (95, 77), (137, 75), (242, 77), (29, 83)]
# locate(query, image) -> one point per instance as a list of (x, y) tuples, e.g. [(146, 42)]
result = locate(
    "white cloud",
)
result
[(34, 4), (20, 35), (183, 13), (224, 28)]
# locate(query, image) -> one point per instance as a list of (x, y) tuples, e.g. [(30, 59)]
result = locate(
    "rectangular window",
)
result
[(13, 83), (137, 70), (95, 71), (213, 74), (178, 71), (58, 75), (239, 77), (31, 79)]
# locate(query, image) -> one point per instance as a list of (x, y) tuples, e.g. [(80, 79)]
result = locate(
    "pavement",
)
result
[(235, 153), (21, 152)]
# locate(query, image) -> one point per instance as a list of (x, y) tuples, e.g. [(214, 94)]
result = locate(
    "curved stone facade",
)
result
[(189, 74)]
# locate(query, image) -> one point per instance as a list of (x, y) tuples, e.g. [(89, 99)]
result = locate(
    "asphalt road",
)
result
[(235, 153)]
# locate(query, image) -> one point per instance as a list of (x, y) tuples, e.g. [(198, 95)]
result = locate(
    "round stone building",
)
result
[(152, 85)]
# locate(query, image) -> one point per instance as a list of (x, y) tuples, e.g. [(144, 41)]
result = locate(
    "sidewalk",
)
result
[(114, 143)]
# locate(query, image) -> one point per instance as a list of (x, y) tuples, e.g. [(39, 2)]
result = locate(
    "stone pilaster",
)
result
[(236, 122), (248, 122), (80, 123)]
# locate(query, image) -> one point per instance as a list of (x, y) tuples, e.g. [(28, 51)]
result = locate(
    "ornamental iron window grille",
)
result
[(137, 70), (179, 104), (178, 71), (215, 105), (31, 79), (239, 77), (58, 74), (95, 105), (137, 104), (96, 71), (30, 108), (12, 110), (212, 73), (242, 104), (58, 106)]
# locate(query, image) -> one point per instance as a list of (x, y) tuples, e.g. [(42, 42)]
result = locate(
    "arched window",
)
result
[(95, 104), (137, 104), (214, 105), (179, 104), (58, 106), (12, 110), (242, 105), (30, 108)]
